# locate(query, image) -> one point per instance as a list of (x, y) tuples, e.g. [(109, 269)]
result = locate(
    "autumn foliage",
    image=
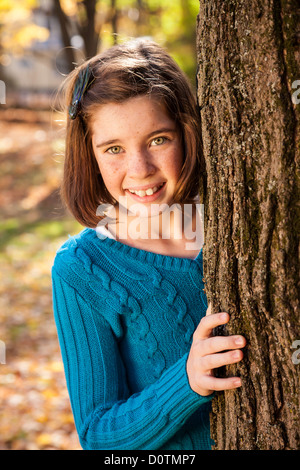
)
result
[(35, 411)]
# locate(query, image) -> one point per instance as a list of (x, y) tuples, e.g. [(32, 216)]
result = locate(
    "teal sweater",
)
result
[(125, 319)]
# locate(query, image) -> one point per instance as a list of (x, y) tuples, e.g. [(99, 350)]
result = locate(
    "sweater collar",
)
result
[(147, 257)]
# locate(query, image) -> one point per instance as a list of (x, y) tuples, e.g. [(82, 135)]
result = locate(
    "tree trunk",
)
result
[(88, 30), (85, 25), (63, 20), (248, 62)]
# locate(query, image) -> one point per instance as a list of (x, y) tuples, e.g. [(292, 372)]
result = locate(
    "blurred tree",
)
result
[(90, 25), (78, 18), (17, 27), (17, 31), (102, 23)]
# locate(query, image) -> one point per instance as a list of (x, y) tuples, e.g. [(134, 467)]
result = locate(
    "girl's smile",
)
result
[(138, 150), (147, 193)]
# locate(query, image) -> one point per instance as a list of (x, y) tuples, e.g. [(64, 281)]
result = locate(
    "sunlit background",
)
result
[(40, 42)]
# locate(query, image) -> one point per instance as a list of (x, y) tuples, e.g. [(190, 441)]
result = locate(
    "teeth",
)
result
[(148, 191)]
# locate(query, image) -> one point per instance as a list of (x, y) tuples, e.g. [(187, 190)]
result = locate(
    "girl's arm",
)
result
[(107, 415)]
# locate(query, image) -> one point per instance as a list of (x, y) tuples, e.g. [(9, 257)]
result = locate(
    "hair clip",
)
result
[(82, 84)]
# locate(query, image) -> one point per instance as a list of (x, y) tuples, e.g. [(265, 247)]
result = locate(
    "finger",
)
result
[(210, 382), (217, 344), (209, 310), (214, 361), (208, 323)]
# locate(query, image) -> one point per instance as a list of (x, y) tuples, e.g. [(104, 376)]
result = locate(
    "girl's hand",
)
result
[(206, 354)]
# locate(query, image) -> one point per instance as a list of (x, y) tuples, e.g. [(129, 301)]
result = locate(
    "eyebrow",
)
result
[(158, 131)]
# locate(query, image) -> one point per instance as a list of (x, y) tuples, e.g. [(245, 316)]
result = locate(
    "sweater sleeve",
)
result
[(106, 414)]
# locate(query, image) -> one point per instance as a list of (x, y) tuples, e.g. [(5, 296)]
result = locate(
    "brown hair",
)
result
[(138, 67)]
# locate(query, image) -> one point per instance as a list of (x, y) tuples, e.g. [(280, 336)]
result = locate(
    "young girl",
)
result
[(130, 309)]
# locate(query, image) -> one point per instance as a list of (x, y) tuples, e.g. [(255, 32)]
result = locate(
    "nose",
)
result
[(140, 165)]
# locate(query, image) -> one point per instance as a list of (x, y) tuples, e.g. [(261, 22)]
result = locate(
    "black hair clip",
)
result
[(82, 84)]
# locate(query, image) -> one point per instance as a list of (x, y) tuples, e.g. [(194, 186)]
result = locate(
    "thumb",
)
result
[(209, 310)]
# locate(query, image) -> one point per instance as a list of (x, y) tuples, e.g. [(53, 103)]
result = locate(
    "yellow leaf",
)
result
[(43, 439), (69, 7), (56, 366), (29, 33), (67, 418), (48, 394), (42, 418)]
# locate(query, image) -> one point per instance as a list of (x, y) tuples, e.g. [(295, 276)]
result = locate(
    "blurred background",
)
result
[(40, 43)]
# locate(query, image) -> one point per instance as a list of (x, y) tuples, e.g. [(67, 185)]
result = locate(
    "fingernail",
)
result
[(239, 341), (224, 316), (238, 382)]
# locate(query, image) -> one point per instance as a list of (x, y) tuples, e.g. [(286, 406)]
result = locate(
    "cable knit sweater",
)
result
[(125, 319)]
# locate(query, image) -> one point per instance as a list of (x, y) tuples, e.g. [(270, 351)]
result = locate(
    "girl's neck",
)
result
[(177, 231)]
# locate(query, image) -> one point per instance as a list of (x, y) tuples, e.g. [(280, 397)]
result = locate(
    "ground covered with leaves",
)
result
[(35, 412)]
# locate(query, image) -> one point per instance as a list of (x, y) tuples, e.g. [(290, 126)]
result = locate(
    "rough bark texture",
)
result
[(248, 59)]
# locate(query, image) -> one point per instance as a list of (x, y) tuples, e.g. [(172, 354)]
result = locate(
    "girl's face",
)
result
[(138, 149)]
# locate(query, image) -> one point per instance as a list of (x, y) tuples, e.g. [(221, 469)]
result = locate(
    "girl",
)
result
[(130, 309)]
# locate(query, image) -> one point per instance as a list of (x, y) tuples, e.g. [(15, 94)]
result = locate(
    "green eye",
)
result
[(159, 140), (115, 150)]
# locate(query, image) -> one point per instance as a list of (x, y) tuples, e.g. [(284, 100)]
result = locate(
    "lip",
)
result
[(146, 198)]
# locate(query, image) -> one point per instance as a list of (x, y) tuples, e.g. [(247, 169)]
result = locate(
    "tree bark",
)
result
[(248, 61)]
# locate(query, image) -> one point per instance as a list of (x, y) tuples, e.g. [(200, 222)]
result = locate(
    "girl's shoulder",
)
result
[(70, 246), (74, 251)]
